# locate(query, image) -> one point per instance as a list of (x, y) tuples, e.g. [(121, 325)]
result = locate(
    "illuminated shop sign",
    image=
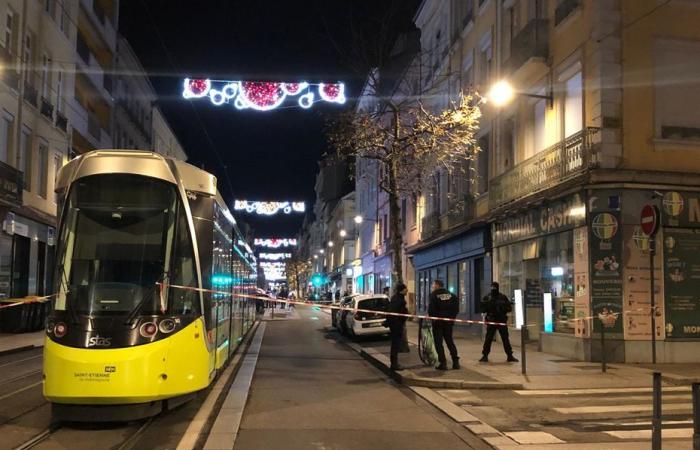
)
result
[(275, 243), (274, 256)]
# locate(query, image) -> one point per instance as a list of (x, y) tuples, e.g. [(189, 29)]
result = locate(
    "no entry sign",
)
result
[(650, 219)]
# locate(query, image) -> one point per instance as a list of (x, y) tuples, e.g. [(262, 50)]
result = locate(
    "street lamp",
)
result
[(322, 251), (330, 243), (502, 93), (315, 256), (358, 219), (343, 233)]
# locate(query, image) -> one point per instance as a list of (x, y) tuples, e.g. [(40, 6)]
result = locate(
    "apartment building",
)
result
[(163, 139), (598, 126), (37, 47)]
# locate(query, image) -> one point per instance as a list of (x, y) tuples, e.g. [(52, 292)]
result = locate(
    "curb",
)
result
[(409, 378)]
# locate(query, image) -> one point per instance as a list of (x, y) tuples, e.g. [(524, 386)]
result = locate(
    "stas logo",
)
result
[(97, 341)]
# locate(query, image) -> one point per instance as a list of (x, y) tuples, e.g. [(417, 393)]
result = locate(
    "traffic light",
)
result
[(317, 280)]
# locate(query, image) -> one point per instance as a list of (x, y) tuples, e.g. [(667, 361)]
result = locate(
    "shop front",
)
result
[(462, 262), (382, 274)]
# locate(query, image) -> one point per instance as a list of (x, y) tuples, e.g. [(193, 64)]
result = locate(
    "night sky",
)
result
[(267, 155)]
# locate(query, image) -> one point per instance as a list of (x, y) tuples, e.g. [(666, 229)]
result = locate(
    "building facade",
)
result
[(599, 126)]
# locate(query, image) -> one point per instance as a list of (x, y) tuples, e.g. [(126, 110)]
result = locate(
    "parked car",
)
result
[(335, 313), (365, 323)]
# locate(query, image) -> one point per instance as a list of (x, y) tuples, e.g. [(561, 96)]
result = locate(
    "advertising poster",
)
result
[(605, 246), (682, 282), (582, 299), (637, 305)]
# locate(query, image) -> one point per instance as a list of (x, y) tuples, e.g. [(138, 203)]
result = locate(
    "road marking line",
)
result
[(533, 437), (544, 392), (620, 408), (670, 433), (21, 360)]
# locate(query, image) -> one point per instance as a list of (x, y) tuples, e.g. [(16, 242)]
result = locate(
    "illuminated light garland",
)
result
[(262, 95), (196, 88), (275, 243), (275, 256), (268, 208)]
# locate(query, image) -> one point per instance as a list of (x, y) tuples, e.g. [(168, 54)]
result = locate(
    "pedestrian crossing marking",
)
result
[(544, 392), (620, 408), (671, 433)]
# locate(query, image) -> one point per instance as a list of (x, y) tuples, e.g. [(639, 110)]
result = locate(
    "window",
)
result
[(508, 134), (404, 211), (59, 90), (45, 75), (64, 19), (483, 163), (24, 162), (539, 129), (9, 35), (5, 136), (50, 7), (414, 209), (43, 174), (27, 58), (485, 57), (468, 72), (57, 163), (386, 225), (676, 88), (573, 105)]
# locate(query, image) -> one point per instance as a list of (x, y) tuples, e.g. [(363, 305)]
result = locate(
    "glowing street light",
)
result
[(358, 219), (330, 243), (343, 233), (322, 251), (501, 93), (315, 256)]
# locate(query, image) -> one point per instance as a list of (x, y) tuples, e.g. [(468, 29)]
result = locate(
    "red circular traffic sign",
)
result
[(650, 219)]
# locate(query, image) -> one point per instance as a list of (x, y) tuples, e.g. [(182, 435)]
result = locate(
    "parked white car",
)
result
[(337, 313), (365, 323)]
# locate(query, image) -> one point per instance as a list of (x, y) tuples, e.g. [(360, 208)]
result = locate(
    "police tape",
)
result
[(11, 303), (333, 307)]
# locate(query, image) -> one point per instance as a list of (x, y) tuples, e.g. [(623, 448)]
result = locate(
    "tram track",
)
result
[(38, 439)]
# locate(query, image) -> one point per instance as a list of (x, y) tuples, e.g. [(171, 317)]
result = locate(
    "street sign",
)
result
[(650, 219)]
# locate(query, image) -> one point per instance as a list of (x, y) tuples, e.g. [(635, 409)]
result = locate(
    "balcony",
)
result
[(564, 8), (101, 20), (460, 212), (46, 108), (31, 95), (11, 182), (431, 226), (531, 42), (82, 48), (8, 73), (61, 121), (552, 166)]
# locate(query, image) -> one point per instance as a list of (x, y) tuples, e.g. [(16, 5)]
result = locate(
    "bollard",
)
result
[(656, 414), (696, 416), (603, 356), (523, 336)]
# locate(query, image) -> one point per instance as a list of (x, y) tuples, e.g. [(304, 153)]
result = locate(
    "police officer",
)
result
[(397, 323), (443, 304), (496, 306)]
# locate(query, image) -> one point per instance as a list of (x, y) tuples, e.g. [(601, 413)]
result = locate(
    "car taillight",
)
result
[(148, 329), (60, 330)]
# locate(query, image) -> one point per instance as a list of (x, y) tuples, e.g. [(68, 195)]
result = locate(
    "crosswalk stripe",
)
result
[(646, 434), (545, 392), (636, 398), (620, 408)]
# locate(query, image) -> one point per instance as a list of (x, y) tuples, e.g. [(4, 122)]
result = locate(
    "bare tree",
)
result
[(411, 143), (297, 271)]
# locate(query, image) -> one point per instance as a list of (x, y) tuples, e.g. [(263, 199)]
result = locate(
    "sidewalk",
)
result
[(544, 371), (14, 341)]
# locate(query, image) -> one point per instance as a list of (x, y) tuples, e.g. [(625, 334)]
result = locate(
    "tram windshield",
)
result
[(116, 244)]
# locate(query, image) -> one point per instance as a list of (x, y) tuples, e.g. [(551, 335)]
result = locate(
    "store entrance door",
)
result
[(20, 266)]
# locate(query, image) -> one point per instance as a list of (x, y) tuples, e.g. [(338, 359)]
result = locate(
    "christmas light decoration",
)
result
[(275, 256), (262, 95), (275, 243), (269, 208)]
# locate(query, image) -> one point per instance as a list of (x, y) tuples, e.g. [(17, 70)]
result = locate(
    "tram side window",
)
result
[(183, 301)]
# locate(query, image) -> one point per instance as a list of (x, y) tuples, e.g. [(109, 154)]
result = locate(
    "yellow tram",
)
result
[(122, 341)]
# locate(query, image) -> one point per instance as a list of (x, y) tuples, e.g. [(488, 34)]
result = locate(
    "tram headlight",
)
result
[(60, 330), (148, 329), (166, 326)]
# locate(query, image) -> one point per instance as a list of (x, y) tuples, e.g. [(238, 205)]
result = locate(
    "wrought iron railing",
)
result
[(532, 41), (461, 212), (31, 95), (46, 108), (61, 121), (556, 164)]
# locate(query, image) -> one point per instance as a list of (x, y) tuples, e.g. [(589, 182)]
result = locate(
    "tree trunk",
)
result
[(395, 225)]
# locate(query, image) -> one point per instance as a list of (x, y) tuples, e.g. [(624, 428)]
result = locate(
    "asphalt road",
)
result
[(310, 392)]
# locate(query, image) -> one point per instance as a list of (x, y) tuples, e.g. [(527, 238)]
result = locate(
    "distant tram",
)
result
[(118, 345)]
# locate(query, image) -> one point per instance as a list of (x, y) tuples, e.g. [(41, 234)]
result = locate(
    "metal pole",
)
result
[(603, 356), (696, 416), (652, 250), (656, 417), (523, 337)]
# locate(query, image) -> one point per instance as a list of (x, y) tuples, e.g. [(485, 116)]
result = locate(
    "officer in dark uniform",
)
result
[(443, 303), (496, 306), (397, 323)]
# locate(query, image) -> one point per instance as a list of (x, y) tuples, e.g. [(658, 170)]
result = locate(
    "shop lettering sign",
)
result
[(552, 218)]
